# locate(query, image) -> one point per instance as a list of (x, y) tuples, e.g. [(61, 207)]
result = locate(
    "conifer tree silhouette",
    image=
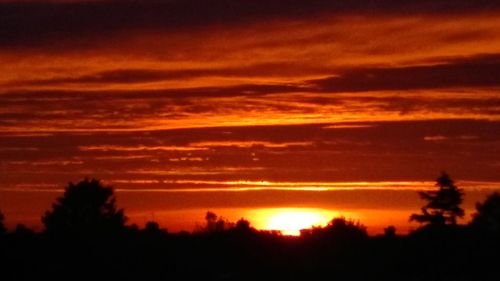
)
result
[(443, 205)]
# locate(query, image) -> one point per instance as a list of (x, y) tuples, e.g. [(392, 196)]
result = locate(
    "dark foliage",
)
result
[(339, 229), (487, 217), (341, 250), (390, 231), (443, 205), (87, 209), (214, 224), (224, 250)]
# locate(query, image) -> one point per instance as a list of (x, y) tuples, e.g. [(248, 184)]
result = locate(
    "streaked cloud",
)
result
[(138, 148), (476, 72), (39, 22), (249, 144), (446, 138), (303, 99)]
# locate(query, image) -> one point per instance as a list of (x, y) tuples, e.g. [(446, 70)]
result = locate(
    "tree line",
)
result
[(88, 208), (86, 236)]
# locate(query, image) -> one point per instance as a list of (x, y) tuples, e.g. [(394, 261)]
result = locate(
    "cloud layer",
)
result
[(41, 22), (202, 97)]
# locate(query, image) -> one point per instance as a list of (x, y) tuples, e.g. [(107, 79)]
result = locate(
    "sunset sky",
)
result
[(249, 108)]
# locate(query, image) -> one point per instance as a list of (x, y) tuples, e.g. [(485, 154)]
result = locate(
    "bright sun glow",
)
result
[(291, 220)]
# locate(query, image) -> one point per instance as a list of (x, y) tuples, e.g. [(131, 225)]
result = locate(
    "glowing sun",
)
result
[(290, 220)]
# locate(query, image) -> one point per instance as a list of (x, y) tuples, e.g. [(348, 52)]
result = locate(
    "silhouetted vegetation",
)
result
[(214, 224), (87, 209), (390, 231), (443, 205), (487, 217), (224, 250), (337, 229)]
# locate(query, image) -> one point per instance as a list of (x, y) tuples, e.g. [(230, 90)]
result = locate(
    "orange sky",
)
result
[(205, 96)]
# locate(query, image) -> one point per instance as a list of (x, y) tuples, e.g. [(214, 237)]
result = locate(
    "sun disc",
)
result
[(291, 221)]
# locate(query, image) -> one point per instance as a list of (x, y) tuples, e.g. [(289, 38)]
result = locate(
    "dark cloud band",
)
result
[(38, 23)]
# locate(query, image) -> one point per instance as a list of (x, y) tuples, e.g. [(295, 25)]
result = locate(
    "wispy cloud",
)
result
[(139, 148), (215, 95), (477, 71), (40, 22), (249, 144)]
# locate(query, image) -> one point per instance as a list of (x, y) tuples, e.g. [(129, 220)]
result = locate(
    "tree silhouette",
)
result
[(86, 209), (215, 223), (243, 225), (487, 216), (390, 231), (338, 228), (22, 230), (443, 205), (152, 226)]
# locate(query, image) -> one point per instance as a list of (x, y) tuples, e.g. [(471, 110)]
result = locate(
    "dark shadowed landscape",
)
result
[(86, 237)]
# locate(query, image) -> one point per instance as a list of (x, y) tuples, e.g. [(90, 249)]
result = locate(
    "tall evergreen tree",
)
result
[(443, 205)]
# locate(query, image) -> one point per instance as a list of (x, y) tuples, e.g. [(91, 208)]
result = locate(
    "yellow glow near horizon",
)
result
[(291, 220)]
